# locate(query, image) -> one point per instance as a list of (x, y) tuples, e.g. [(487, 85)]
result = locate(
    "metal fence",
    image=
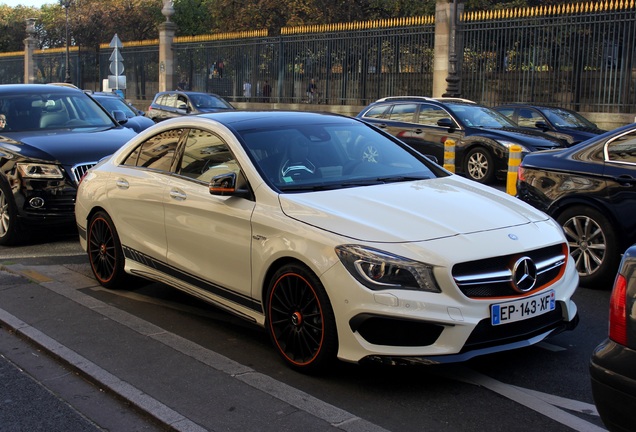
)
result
[(349, 64), (577, 56)]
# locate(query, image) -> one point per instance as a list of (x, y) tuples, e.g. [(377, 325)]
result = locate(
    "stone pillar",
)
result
[(30, 44), (442, 46), (167, 31)]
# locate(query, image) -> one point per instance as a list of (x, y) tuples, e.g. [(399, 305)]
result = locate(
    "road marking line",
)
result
[(529, 399)]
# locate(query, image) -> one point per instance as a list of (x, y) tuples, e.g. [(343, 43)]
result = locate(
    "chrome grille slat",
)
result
[(493, 277), (80, 169)]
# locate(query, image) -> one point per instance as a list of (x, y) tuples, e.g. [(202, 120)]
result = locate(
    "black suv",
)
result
[(176, 103), (49, 138), (482, 136)]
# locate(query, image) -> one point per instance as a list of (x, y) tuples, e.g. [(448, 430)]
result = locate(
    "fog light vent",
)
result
[(36, 202)]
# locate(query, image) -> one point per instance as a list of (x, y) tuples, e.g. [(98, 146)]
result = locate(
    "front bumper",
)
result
[(418, 327)]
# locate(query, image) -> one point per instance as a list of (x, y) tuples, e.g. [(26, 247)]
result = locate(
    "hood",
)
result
[(69, 147), (525, 137), (410, 211)]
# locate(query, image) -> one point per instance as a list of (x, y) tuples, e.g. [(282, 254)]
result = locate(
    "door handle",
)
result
[(122, 184), (178, 195)]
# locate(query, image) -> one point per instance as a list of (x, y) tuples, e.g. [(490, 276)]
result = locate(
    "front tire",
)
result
[(9, 230), (593, 245), (105, 252), (300, 320), (479, 165)]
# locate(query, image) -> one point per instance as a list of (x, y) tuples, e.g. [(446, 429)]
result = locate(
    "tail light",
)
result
[(618, 312), (521, 175)]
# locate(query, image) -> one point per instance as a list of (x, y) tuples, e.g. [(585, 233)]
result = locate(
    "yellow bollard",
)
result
[(449, 155), (514, 160)]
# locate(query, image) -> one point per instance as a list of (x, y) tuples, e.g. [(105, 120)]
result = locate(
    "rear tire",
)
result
[(593, 245), (479, 165), (105, 252), (300, 320)]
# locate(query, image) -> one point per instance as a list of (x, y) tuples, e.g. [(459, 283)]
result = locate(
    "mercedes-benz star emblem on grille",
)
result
[(524, 274)]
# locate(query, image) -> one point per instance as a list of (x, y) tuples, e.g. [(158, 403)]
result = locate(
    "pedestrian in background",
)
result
[(267, 91), (247, 90), (312, 91)]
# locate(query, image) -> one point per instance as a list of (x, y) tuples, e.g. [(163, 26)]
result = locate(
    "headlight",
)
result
[(41, 171), (509, 144), (379, 270)]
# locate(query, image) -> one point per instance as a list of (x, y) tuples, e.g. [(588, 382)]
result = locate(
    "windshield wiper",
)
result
[(396, 179)]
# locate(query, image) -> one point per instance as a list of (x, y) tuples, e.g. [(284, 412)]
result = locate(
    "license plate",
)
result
[(518, 310)]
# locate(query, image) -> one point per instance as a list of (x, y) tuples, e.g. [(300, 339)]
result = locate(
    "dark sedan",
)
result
[(482, 136), (612, 365), (590, 189), (49, 137), (561, 123), (171, 104), (135, 119)]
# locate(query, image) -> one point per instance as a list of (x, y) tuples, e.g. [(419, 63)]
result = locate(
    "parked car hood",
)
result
[(524, 136), (410, 211), (68, 147)]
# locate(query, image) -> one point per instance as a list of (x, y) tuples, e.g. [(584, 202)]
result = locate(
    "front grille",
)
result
[(493, 277), (80, 169), (486, 335)]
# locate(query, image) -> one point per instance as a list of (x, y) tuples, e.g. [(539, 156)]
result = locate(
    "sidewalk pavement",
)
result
[(175, 381)]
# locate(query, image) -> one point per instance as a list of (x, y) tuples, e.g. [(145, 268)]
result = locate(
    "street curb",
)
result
[(95, 374), (57, 280)]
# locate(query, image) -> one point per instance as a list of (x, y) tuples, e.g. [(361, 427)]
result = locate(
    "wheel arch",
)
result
[(558, 207)]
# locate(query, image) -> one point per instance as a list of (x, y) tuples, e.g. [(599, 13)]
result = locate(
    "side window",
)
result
[(182, 102), (403, 113), (430, 114), (377, 112), (170, 100), (205, 156), (622, 149), (508, 112), (157, 152), (528, 117)]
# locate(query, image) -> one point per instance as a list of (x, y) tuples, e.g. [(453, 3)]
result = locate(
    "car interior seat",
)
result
[(53, 114)]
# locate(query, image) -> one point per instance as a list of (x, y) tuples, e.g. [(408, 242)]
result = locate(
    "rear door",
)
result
[(620, 173)]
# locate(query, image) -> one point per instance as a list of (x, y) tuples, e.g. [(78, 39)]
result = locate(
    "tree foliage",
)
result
[(92, 22)]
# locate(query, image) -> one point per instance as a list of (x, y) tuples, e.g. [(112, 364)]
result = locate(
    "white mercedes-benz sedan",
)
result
[(337, 238)]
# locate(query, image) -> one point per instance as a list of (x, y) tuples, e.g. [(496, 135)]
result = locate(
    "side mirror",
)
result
[(225, 185), (542, 125), (183, 106), (446, 123), (120, 117)]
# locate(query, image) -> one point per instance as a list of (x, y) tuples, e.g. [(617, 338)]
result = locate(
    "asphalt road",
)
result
[(544, 387)]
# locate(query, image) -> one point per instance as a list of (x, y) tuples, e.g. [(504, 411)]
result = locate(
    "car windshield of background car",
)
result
[(318, 157), (28, 112), (568, 119), (478, 116), (207, 101), (111, 104)]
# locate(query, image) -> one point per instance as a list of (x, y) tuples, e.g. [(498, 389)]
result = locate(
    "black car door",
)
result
[(620, 173)]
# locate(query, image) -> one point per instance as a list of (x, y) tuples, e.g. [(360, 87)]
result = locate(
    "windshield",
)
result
[(29, 112), (332, 156), (113, 103), (480, 116), (568, 119), (208, 101)]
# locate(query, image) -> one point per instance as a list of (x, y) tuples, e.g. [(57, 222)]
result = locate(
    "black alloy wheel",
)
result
[(593, 245), (104, 251), (479, 165), (300, 319), (9, 231)]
